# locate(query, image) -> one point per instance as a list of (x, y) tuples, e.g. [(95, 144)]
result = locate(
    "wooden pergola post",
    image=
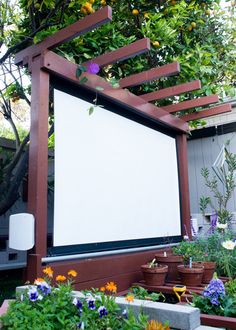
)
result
[(38, 164)]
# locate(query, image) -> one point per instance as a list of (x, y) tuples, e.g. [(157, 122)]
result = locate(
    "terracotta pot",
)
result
[(209, 269), (191, 276), (154, 276), (172, 261)]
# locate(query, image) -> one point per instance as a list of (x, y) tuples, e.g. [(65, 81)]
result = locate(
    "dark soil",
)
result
[(9, 280)]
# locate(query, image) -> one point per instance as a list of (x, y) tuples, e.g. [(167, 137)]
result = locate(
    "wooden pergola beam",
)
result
[(172, 91), (59, 66), (149, 75), (82, 26), (136, 48), (186, 105), (208, 113)]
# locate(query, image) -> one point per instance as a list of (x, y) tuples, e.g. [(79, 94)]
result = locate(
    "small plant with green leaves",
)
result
[(140, 293), (225, 179), (189, 249), (230, 287)]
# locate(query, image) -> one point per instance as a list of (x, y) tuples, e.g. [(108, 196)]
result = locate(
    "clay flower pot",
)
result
[(154, 276), (172, 261), (191, 276), (209, 269)]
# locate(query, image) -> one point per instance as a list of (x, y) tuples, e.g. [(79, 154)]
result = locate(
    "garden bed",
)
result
[(208, 320)]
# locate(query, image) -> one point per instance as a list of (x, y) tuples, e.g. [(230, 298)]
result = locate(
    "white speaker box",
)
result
[(21, 231)]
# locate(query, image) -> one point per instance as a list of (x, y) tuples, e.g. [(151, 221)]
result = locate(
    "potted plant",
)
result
[(154, 274), (172, 261), (191, 274)]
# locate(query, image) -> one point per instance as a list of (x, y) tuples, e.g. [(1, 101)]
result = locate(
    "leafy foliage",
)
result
[(45, 307), (221, 187), (140, 293), (224, 305), (209, 248)]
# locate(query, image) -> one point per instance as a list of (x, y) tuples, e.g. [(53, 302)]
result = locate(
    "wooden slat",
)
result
[(136, 48), (218, 321), (208, 113), (149, 75), (172, 91), (82, 26), (186, 105), (61, 67)]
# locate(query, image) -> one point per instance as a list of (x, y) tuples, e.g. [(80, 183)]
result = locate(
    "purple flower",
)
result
[(215, 301), (102, 311), (214, 291), (44, 287), (78, 304), (93, 68), (91, 303), (34, 295), (213, 219)]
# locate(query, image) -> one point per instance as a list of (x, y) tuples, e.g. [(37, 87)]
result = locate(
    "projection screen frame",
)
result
[(88, 95)]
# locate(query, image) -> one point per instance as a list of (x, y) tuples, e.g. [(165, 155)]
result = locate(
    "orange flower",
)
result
[(39, 279), (48, 271), (102, 289), (155, 325), (129, 298), (72, 273), (60, 278), (111, 286)]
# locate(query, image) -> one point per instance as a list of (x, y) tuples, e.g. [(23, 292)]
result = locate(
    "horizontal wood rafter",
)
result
[(136, 48), (186, 105), (82, 26), (208, 113), (149, 75), (59, 66), (172, 91)]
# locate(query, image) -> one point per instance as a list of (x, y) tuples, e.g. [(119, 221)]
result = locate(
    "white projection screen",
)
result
[(116, 180)]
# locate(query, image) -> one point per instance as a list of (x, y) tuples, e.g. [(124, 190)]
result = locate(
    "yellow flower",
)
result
[(48, 271), (129, 298), (229, 245), (102, 289), (72, 273), (111, 286), (60, 278)]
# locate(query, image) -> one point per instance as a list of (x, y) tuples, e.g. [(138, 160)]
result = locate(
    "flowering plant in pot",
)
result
[(43, 306), (154, 274)]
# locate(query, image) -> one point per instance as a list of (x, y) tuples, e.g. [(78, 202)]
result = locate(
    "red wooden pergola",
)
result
[(43, 62)]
